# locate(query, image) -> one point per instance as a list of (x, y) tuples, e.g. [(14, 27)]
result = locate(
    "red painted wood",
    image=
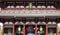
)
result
[(36, 29), (13, 30), (56, 29), (46, 29), (23, 29), (3, 30)]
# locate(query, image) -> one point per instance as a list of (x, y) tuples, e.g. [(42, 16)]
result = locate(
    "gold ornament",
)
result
[(30, 5)]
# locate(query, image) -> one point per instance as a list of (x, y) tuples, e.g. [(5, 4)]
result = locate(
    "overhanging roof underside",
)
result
[(29, 15), (30, 0)]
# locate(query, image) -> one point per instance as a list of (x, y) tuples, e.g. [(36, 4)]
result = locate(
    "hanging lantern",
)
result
[(1, 25), (58, 27), (30, 5), (41, 29), (19, 29)]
